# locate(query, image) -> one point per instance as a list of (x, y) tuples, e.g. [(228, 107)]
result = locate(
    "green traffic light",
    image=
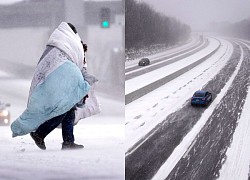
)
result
[(105, 24)]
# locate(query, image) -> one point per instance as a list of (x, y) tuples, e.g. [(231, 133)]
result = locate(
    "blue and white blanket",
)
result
[(57, 86)]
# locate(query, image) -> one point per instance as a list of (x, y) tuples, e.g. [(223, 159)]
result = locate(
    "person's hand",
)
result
[(84, 98), (85, 47)]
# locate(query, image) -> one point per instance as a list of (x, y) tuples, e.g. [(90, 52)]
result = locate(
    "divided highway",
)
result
[(204, 134), (205, 158), (141, 90), (172, 57)]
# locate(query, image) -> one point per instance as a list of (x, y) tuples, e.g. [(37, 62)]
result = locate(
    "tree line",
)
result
[(240, 29), (146, 27)]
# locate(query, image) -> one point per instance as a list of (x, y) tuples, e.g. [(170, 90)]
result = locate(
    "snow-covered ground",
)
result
[(186, 144), (102, 136), (152, 76), (238, 157), (143, 114), (173, 50)]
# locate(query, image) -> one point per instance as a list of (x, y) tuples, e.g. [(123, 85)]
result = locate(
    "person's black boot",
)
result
[(71, 146), (38, 140)]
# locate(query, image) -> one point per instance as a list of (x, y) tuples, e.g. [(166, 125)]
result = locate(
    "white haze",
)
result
[(200, 13)]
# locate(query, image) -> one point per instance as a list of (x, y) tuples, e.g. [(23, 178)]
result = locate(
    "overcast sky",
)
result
[(199, 13)]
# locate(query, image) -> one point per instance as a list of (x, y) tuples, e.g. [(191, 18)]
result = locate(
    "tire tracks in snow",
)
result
[(186, 84), (163, 57), (152, 86), (162, 61), (143, 162), (206, 157)]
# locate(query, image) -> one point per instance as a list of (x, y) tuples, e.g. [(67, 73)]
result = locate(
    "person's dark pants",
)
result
[(67, 120)]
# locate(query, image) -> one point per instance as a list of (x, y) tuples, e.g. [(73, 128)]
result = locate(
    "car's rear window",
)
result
[(199, 94)]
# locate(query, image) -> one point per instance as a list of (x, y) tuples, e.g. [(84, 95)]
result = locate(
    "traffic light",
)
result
[(105, 17)]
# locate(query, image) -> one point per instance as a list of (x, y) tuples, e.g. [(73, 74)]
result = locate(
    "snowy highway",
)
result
[(134, 70), (207, 154), (167, 138), (137, 86)]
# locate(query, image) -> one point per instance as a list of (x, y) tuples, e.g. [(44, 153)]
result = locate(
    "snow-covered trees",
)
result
[(146, 27)]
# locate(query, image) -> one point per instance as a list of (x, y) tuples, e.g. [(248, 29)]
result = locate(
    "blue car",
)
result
[(201, 98)]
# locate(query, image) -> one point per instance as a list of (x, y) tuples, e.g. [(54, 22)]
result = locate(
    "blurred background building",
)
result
[(26, 26)]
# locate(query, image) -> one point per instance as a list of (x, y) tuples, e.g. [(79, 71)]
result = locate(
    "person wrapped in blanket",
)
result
[(57, 86)]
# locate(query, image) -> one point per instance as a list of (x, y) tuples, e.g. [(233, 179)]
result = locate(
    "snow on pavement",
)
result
[(141, 81), (102, 135), (101, 158), (169, 51), (143, 114), (166, 59), (14, 92), (238, 157), (183, 147)]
